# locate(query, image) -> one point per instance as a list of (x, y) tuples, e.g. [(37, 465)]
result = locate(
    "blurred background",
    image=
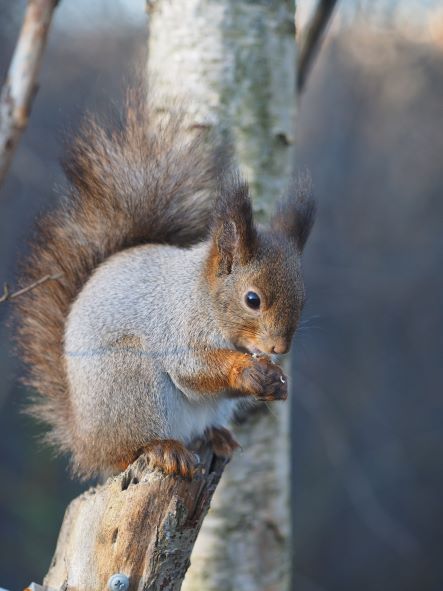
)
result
[(368, 360)]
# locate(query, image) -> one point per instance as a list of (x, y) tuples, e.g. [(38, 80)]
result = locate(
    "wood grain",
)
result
[(139, 523)]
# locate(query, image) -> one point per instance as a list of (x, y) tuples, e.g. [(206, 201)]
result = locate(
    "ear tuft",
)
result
[(295, 213), (234, 232)]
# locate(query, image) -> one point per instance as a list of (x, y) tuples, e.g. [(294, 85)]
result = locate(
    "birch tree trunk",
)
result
[(235, 61)]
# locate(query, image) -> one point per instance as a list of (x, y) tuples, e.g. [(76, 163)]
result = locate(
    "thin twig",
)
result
[(311, 40), (20, 85), (7, 295)]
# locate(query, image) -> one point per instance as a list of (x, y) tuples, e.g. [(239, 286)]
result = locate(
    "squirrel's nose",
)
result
[(279, 346)]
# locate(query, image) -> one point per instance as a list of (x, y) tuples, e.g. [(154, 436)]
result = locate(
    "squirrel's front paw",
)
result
[(264, 380)]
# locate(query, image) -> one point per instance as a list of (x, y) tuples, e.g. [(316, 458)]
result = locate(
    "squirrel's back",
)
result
[(146, 179)]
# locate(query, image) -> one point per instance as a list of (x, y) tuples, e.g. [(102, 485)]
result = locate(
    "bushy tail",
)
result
[(146, 179)]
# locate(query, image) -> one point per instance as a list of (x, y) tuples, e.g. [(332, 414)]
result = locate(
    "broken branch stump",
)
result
[(140, 523)]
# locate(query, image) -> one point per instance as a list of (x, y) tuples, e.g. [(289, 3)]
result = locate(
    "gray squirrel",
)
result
[(171, 301)]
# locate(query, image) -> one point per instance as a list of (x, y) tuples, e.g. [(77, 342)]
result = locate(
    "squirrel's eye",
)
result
[(252, 300)]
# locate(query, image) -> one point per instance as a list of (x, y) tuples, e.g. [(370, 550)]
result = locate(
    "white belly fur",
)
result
[(191, 419)]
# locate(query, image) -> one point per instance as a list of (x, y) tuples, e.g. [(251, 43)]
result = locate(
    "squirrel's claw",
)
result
[(223, 442), (171, 457), (265, 380)]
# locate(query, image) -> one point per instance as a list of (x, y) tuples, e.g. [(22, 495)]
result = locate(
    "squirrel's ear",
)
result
[(234, 234), (296, 212)]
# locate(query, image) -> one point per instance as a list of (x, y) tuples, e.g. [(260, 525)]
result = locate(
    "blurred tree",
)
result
[(21, 82)]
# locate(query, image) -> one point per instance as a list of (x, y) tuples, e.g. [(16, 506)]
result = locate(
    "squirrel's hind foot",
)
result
[(171, 457), (223, 442)]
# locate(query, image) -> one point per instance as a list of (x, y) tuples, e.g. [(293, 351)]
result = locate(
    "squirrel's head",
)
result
[(254, 273)]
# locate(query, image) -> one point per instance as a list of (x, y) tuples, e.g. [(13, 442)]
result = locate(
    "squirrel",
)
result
[(171, 302)]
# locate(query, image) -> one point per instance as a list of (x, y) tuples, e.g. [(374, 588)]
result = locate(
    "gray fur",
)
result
[(122, 360)]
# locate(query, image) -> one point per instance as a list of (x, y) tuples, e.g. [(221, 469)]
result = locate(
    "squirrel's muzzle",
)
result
[(273, 345)]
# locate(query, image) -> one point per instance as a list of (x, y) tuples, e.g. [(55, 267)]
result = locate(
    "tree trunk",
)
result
[(235, 63)]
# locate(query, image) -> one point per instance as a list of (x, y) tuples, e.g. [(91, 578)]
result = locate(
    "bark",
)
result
[(140, 523), (234, 62), (20, 85)]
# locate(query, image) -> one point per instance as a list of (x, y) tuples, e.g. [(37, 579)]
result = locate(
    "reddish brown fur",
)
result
[(239, 374), (167, 455), (234, 235), (296, 213), (171, 457), (243, 257), (220, 370)]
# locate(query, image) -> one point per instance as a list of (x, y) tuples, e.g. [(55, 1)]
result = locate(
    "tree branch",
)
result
[(311, 40), (20, 87), (7, 295), (140, 524)]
